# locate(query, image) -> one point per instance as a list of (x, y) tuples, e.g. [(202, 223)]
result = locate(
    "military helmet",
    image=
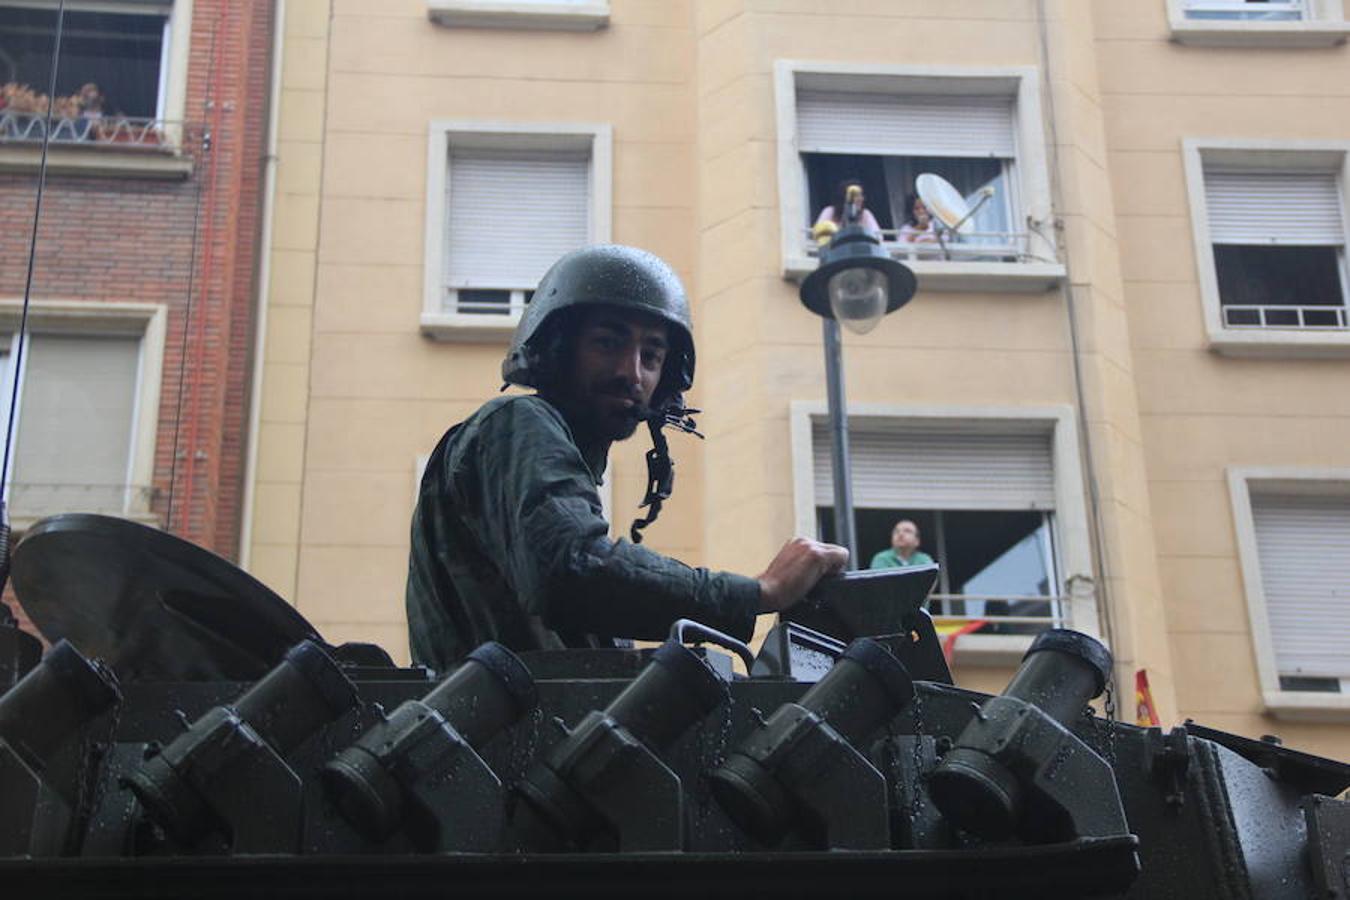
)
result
[(603, 275)]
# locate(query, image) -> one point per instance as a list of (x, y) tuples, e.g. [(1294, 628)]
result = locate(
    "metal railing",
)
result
[(1028, 612), (116, 131), (976, 246), (506, 301), (1307, 318)]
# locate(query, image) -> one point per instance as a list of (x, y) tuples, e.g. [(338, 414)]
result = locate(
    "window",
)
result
[(504, 207), (1279, 248), (1257, 23), (564, 15), (1294, 542), (991, 495), (967, 140), (82, 441), (887, 126), (1271, 240), (120, 78)]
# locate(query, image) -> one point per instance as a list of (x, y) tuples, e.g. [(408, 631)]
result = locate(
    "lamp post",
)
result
[(856, 283)]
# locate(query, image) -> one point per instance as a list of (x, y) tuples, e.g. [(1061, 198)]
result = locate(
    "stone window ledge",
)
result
[(99, 162), (1305, 706), (529, 14), (991, 650), (1271, 343), (1217, 33), (468, 329), (951, 276)]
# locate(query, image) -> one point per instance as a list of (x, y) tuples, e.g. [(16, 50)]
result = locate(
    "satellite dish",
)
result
[(946, 204)]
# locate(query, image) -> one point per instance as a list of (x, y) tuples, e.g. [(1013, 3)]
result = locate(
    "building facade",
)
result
[(1116, 402), (135, 371)]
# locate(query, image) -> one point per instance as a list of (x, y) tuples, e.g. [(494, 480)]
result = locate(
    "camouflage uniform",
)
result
[(509, 544)]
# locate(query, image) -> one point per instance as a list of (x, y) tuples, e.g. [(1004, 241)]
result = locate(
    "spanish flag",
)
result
[(1145, 713)]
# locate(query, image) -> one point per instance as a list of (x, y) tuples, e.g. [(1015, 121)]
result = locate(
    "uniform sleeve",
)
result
[(543, 525)]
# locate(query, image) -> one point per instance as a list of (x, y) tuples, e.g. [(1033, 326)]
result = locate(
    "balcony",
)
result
[(984, 261), (92, 145)]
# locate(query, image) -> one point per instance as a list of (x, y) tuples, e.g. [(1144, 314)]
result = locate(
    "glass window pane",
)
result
[(1252, 277), (118, 53)]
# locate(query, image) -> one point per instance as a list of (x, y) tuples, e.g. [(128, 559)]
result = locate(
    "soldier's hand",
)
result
[(795, 570)]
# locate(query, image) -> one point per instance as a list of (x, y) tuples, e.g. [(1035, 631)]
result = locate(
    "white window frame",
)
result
[(144, 320), (1070, 521), (174, 56), (444, 133), (553, 15), (1028, 174), (1312, 156), (1296, 705), (1323, 25)]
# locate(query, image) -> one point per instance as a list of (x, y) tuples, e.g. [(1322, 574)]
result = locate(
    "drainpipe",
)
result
[(264, 285)]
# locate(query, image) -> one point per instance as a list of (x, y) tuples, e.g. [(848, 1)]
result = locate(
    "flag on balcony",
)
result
[(1145, 713), (949, 631)]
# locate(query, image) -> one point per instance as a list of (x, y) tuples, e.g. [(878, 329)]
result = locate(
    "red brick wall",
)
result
[(125, 239)]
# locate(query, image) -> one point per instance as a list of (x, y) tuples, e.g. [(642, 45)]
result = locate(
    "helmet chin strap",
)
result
[(660, 467)]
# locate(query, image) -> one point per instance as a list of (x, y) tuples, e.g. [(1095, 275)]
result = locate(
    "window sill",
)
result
[(1272, 343), (1305, 706), (1214, 33), (964, 277), (20, 524), (991, 650), (96, 161), (529, 14), (468, 329)]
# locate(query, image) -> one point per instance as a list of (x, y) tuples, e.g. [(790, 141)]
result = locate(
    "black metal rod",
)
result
[(843, 479)]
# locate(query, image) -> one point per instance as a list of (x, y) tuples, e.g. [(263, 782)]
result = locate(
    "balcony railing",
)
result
[(1304, 318), (116, 131), (1022, 614), (977, 246), (493, 302)]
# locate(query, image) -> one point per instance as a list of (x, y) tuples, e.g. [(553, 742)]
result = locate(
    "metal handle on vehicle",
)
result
[(711, 635)]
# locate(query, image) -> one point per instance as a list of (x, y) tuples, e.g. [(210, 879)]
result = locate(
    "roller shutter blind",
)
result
[(1294, 208), (73, 438), (1304, 547), (899, 467), (905, 125), (512, 214)]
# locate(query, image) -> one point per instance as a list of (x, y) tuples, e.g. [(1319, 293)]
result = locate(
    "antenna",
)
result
[(950, 211)]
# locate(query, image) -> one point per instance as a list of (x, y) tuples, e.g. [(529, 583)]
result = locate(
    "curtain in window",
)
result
[(968, 176)]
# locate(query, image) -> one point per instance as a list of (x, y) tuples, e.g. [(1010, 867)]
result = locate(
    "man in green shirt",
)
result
[(904, 549), (508, 540)]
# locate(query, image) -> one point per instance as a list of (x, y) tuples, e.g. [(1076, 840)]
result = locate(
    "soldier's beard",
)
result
[(594, 418)]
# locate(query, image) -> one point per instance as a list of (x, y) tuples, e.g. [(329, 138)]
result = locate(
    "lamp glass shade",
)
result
[(858, 296)]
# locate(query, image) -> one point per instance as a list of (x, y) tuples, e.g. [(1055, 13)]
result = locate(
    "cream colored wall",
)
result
[(1201, 412), (274, 551), (365, 392)]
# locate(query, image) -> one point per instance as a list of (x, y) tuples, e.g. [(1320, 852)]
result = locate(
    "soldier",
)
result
[(508, 540)]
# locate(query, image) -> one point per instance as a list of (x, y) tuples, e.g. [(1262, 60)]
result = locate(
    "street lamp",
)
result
[(856, 283)]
